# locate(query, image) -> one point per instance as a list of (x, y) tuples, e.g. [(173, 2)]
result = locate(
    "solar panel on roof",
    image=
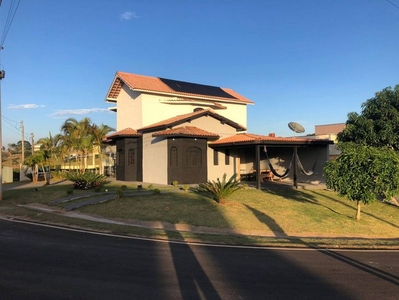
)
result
[(194, 88)]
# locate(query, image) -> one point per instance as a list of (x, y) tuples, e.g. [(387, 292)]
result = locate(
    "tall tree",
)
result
[(368, 166), (378, 123), (49, 146), (77, 137)]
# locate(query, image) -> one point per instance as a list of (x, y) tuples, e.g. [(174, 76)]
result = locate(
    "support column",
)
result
[(257, 167), (295, 167)]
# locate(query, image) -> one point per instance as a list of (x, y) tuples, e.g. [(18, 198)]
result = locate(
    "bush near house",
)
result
[(85, 180)]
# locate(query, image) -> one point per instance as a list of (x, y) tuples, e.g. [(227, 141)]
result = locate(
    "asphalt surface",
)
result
[(40, 262)]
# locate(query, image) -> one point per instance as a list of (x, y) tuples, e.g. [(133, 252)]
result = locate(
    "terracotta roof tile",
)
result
[(127, 132), (187, 131), (244, 138), (174, 121), (173, 87)]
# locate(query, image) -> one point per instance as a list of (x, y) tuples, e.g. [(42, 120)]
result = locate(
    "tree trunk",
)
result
[(47, 174), (100, 163), (35, 174), (359, 205)]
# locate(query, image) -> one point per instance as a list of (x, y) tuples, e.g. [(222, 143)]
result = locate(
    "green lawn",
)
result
[(278, 213)]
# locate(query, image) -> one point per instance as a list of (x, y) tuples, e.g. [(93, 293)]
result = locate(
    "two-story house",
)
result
[(169, 130)]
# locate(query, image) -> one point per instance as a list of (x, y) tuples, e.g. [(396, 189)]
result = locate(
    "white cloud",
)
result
[(127, 15), (66, 113), (25, 106)]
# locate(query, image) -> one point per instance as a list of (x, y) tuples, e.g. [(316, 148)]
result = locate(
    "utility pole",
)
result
[(23, 142), (2, 75), (22, 151)]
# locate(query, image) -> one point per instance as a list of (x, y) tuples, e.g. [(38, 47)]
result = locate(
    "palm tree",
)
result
[(32, 162), (99, 133), (77, 137), (49, 148)]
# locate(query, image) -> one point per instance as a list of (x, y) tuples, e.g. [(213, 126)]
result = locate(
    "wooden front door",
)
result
[(187, 162)]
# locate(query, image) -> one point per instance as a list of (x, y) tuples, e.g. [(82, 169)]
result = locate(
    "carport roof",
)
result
[(255, 139)]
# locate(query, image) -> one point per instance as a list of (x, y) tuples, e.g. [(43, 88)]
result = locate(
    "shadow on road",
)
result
[(258, 274), (386, 276)]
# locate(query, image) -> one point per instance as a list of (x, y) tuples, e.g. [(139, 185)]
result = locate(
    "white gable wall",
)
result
[(129, 109), (136, 110), (213, 125)]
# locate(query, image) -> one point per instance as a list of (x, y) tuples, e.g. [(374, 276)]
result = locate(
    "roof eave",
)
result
[(193, 96), (274, 143)]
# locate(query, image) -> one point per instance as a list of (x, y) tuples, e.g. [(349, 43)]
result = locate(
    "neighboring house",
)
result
[(169, 130), (330, 131)]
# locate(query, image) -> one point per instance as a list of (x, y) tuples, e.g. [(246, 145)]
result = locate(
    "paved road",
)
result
[(47, 263)]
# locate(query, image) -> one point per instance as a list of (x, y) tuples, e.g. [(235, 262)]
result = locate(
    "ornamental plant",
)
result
[(85, 180), (220, 190)]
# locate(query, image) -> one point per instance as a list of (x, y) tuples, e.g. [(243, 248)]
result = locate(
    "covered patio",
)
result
[(292, 161)]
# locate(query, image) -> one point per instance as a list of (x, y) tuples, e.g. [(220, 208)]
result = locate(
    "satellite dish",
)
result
[(296, 127)]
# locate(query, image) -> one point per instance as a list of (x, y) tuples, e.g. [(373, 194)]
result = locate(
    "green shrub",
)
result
[(123, 187), (185, 188), (221, 190), (175, 182), (86, 180), (119, 192), (157, 191)]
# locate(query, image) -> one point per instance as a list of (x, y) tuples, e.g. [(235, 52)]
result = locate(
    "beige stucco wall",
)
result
[(137, 110), (129, 109), (155, 159), (217, 171), (213, 125)]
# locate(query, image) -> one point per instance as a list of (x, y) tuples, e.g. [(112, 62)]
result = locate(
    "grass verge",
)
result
[(287, 217)]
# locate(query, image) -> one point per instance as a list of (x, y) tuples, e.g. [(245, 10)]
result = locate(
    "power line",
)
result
[(10, 17), (393, 4), (11, 122)]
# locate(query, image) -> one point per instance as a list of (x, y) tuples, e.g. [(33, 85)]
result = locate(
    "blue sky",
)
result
[(308, 61)]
